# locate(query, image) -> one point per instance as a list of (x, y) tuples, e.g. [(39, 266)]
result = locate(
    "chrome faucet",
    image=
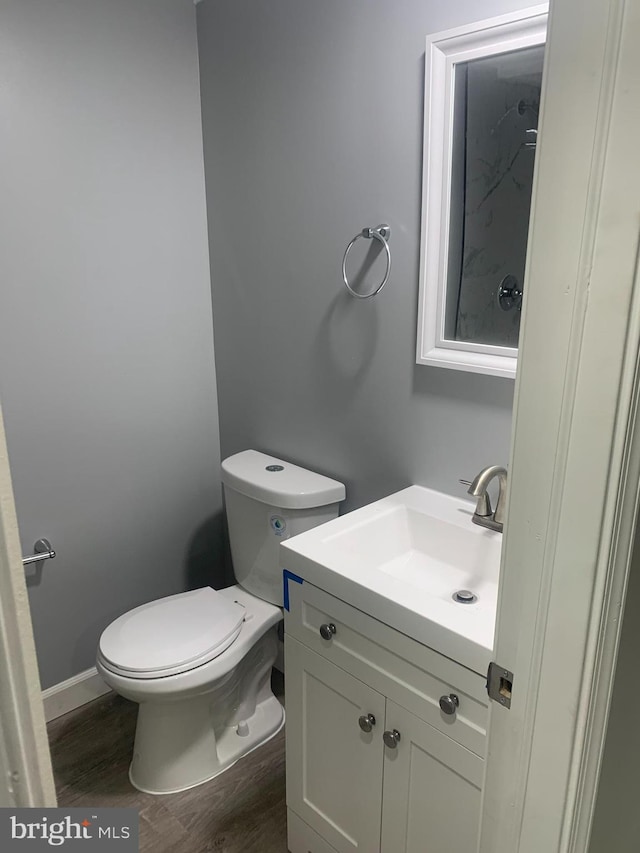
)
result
[(483, 514)]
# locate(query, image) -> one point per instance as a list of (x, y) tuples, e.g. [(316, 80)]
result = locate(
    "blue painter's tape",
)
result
[(286, 577)]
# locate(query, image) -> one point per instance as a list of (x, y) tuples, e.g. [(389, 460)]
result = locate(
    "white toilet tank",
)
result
[(268, 501)]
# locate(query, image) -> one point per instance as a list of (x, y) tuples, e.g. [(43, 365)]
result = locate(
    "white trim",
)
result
[(524, 28), (616, 254), (73, 693), (605, 627), (24, 748), (576, 449)]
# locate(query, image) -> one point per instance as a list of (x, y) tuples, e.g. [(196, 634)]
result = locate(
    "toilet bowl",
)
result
[(195, 722), (199, 663)]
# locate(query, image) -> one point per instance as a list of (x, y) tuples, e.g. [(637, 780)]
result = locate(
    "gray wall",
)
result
[(616, 821), (106, 347), (312, 115)]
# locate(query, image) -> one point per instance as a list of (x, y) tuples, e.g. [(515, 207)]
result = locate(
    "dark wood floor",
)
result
[(242, 811)]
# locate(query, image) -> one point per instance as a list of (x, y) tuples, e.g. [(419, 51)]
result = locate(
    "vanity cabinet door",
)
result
[(431, 794), (334, 768)]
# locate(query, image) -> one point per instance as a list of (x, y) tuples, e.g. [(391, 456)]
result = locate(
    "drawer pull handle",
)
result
[(327, 630), (391, 738), (367, 722), (449, 704)]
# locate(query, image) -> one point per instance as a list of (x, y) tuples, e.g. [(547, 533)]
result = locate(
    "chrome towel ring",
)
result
[(381, 233)]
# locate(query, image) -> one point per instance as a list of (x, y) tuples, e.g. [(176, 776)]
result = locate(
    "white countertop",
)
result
[(400, 559)]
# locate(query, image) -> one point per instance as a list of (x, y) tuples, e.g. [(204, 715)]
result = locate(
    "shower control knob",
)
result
[(367, 722), (391, 738), (449, 704), (327, 630), (510, 293)]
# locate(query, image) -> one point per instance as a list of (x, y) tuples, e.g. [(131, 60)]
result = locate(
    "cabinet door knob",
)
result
[(327, 630), (449, 704), (367, 722), (391, 738)]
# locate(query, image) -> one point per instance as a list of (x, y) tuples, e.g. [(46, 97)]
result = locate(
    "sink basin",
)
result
[(402, 559)]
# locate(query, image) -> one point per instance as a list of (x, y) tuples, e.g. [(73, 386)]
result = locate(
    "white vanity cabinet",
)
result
[(373, 763), (431, 794), (334, 774)]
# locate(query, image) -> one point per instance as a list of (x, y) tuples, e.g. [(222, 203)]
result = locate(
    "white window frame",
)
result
[(444, 50)]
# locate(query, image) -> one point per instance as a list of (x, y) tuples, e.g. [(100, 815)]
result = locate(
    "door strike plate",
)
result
[(499, 684)]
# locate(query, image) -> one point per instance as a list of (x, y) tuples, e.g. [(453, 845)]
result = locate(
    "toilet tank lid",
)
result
[(279, 483)]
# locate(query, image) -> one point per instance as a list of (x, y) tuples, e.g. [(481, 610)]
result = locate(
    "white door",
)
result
[(431, 791), (334, 768), (25, 764), (575, 464)]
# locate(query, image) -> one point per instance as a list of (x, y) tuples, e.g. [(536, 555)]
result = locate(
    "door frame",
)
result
[(575, 456), (25, 762)]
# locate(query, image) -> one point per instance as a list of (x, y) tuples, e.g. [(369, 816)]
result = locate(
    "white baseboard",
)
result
[(88, 685), (73, 693)]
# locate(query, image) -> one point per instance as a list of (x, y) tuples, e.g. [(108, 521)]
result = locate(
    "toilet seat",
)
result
[(171, 635)]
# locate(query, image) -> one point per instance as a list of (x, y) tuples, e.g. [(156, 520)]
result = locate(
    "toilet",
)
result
[(199, 663)]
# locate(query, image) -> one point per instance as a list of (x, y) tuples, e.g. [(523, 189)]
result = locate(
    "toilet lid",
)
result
[(175, 633)]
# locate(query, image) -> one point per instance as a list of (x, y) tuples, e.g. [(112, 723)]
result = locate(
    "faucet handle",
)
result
[(483, 506)]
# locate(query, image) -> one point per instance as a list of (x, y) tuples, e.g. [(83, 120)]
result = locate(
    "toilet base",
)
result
[(187, 736), (173, 764)]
